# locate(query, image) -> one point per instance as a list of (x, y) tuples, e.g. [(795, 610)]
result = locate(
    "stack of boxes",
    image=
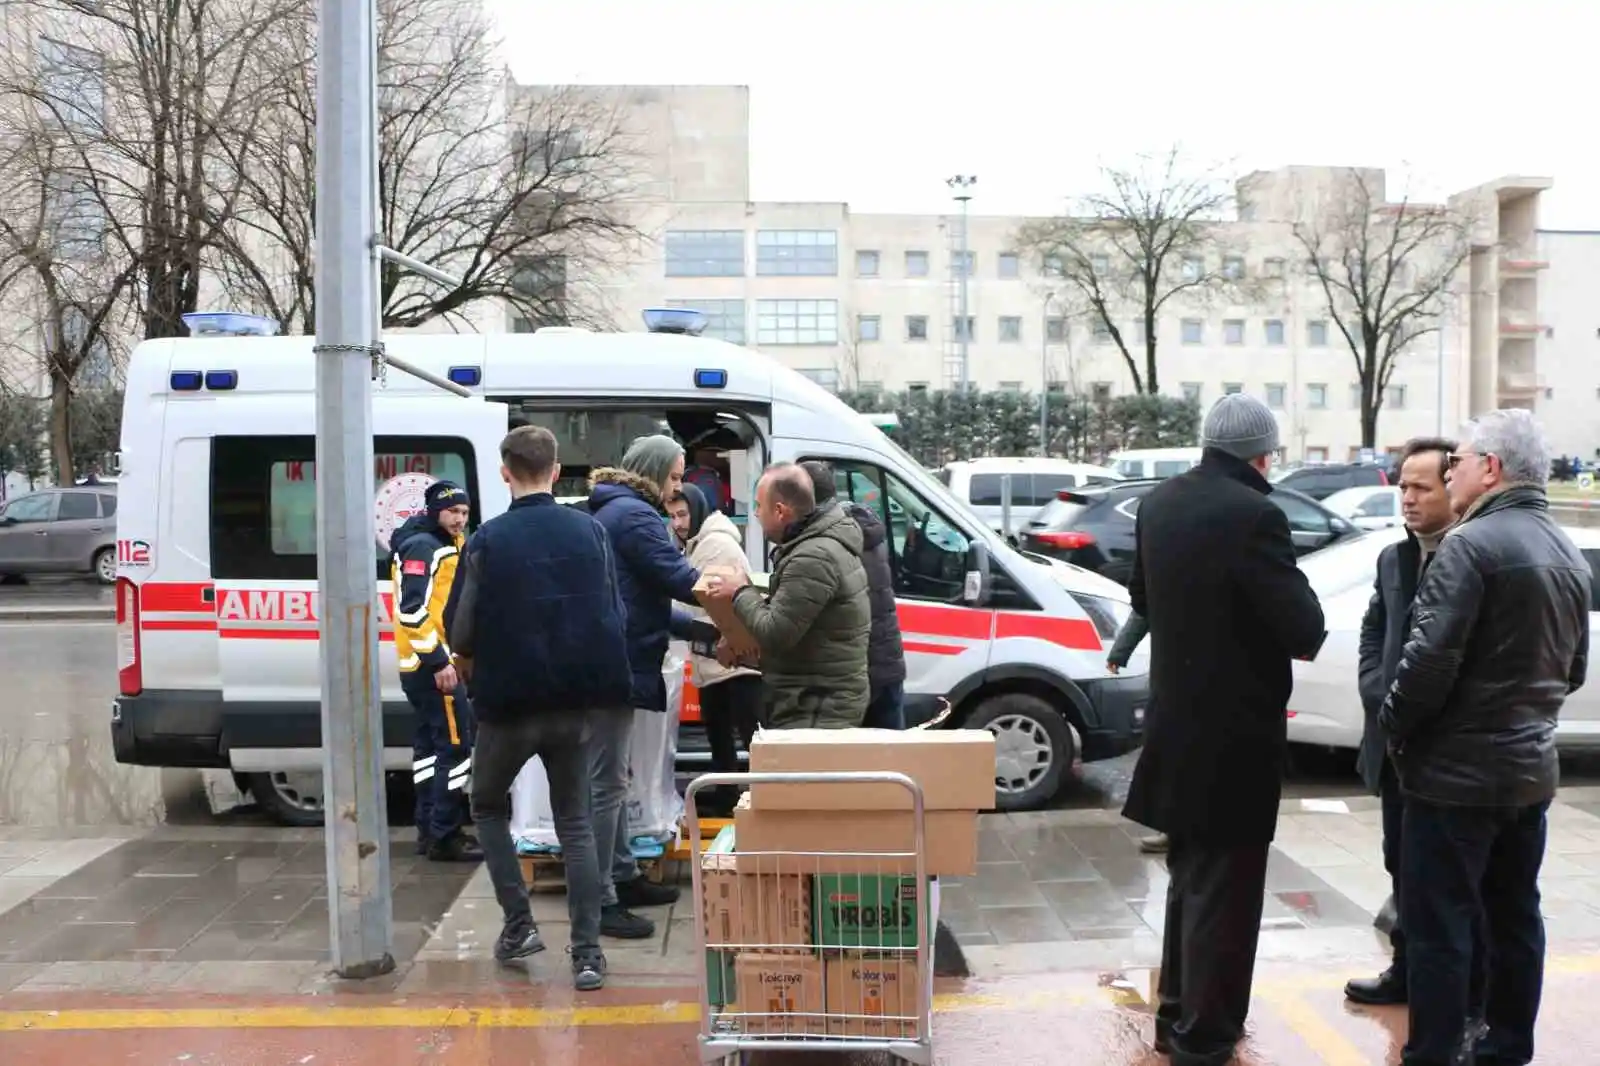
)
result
[(811, 921)]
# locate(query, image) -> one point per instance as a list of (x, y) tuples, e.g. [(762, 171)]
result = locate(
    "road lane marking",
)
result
[(1331, 1046)]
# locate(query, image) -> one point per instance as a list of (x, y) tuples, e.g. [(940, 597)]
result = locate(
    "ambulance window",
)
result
[(264, 499), (927, 553)]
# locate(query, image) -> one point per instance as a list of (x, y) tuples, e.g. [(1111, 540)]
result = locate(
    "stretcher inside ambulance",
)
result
[(217, 579)]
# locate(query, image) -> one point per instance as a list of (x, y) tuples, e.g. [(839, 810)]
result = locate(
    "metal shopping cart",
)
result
[(813, 948)]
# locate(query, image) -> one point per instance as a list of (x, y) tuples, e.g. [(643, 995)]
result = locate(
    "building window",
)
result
[(1193, 331), (73, 208), (1192, 391), (871, 388), (1100, 264), (916, 264), (809, 253), (1317, 397), (1274, 333), (1056, 387), (961, 264), (1010, 328), (1355, 396), (1316, 455), (869, 328), (1100, 391), (1139, 333), (1273, 267), (916, 327), (1230, 388), (75, 81), (917, 386), (1101, 333), (797, 322), (825, 376), (1011, 386), (866, 264), (695, 253), (1277, 396), (1010, 265), (1317, 333), (1394, 397), (724, 318), (542, 281), (1233, 331), (1193, 267), (1233, 267), (963, 334), (1055, 329), (1053, 267)]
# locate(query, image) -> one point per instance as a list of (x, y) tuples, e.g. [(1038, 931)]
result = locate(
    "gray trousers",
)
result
[(610, 736), (503, 748)]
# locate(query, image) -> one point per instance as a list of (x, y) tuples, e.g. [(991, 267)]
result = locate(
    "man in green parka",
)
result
[(814, 623)]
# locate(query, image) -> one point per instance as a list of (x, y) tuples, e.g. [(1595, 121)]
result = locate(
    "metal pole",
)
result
[(357, 834), (961, 183), (1044, 377)]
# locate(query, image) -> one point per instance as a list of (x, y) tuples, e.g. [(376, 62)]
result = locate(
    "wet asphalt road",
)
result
[(56, 766)]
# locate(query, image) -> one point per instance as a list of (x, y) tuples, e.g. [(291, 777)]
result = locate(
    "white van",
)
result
[(1034, 482), (217, 593), (1137, 463)]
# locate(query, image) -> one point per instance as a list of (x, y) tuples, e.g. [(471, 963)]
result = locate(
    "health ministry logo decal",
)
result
[(400, 498)]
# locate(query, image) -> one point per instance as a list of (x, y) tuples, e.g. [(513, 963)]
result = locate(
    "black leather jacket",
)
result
[(1499, 638)]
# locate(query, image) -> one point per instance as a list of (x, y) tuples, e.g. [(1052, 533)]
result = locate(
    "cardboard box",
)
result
[(780, 994), (949, 840), (955, 768), (720, 981), (862, 912), (764, 910), (876, 998), (721, 612)]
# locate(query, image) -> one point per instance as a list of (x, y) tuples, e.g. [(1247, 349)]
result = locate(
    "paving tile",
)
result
[(978, 938), (13, 974), (105, 976), (66, 857), (1025, 925), (1088, 905), (132, 900), (228, 941), (78, 942), (1003, 884), (13, 890), (1326, 908), (1061, 863), (1134, 878), (275, 901), (1284, 874), (173, 926), (35, 919), (246, 976), (1102, 842), (993, 846)]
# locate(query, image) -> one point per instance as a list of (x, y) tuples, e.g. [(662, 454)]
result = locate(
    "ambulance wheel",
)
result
[(105, 566), (1033, 747), (291, 798)]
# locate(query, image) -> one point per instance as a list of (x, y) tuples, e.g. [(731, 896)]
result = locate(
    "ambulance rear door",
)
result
[(264, 559)]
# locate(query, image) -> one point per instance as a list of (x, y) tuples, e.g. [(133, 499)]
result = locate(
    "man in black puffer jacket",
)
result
[(1499, 639), (886, 655)]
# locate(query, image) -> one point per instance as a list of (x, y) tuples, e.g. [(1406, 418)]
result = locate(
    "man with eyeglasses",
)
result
[(1499, 639)]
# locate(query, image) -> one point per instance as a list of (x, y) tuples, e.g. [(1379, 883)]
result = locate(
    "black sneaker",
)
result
[(588, 969), (457, 847), (518, 943), (617, 921), (642, 893)]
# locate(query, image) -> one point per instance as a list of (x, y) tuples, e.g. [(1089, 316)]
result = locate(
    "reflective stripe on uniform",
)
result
[(421, 613)]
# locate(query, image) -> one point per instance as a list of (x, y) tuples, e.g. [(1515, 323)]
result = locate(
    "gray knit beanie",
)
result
[(653, 458), (1241, 426)]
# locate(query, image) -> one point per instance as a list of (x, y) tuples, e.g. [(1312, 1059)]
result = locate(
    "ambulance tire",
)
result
[(283, 809), (1021, 718)]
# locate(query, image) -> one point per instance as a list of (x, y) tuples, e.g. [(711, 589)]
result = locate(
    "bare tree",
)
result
[(524, 201), (1384, 271), (1125, 254)]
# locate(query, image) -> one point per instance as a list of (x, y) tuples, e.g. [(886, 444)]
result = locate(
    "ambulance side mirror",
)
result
[(975, 590)]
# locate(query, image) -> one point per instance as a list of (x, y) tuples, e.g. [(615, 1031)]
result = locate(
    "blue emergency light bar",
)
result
[(187, 380), (682, 320), (467, 376), (229, 324), (710, 379)]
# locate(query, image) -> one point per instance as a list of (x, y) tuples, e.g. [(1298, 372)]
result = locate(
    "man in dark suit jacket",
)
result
[(1214, 575), (1425, 505)]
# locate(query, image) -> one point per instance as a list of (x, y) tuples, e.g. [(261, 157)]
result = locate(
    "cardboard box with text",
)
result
[(780, 994), (875, 998), (955, 768)]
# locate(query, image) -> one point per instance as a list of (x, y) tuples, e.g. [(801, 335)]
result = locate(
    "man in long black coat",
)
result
[(1215, 576)]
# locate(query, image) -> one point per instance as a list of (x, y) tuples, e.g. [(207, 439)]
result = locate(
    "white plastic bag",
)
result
[(654, 806)]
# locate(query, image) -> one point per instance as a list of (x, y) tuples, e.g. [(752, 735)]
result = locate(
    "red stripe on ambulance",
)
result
[(175, 597), (1078, 633), (963, 623)]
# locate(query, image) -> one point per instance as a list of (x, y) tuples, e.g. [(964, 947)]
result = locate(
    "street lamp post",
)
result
[(1044, 376), (961, 183)]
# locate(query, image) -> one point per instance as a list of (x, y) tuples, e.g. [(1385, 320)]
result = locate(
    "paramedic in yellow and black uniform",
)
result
[(426, 550)]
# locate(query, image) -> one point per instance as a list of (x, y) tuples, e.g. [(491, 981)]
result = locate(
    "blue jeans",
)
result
[(610, 736), (887, 707), (1461, 866)]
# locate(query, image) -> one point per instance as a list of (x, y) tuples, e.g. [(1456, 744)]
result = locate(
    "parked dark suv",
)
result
[(1324, 479), (1093, 527)]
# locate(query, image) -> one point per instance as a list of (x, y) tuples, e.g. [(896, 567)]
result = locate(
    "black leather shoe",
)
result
[(1386, 990), (457, 847)]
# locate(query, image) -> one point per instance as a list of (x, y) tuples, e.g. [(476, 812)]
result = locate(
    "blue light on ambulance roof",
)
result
[(466, 375), (229, 324), (674, 320), (710, 379), (186, 380), (222, 380)]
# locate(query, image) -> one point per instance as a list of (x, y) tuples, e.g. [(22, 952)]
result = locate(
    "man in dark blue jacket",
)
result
[(630, 502), (540, 634)]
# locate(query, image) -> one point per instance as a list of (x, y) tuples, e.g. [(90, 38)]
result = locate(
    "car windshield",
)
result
[(1338, 569)]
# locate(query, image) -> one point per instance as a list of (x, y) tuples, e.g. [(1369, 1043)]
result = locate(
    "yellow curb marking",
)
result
[(1331, 1046)]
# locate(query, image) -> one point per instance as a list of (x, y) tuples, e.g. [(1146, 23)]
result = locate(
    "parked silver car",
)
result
[(61, 531)]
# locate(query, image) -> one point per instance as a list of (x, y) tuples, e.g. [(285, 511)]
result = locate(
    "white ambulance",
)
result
[(216, 526)]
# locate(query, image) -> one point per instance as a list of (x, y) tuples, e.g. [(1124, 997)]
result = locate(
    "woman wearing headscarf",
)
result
[(730, 697), (629, 500)]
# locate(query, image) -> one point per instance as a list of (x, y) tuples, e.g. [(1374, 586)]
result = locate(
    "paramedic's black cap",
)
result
[(443, 495)]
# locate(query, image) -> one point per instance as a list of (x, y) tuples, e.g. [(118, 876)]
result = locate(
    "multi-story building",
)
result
[(862, 301), (1566, 349)]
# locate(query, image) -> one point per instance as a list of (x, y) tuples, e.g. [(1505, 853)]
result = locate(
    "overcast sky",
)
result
[(877, 102)]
